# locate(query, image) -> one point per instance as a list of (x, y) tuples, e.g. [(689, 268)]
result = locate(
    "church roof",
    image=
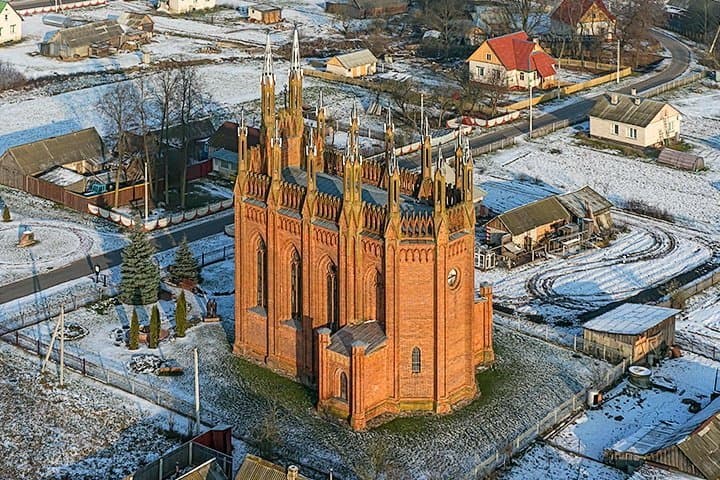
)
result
[(369, 333), (332, 185)]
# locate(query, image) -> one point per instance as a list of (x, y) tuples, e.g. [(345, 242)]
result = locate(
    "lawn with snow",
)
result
[(62, 236), (698, 327), (627, 408)]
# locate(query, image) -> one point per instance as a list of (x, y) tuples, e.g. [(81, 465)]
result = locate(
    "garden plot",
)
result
[(698, 327), (650, 253), (81, 431), (627, 408)]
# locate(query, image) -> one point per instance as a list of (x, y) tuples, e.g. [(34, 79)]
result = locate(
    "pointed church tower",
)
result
[(295, 125), (459, 154), (267, 104), (320, 132), (389, 135), (439, 190), (426, 183)]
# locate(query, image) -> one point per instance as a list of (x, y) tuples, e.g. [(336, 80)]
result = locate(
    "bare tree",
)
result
[(10, 77), (116, 106), (495, 91), (525, 15), (164, 94), (635, 19), (447, 17), (144, 120), (192, 102)]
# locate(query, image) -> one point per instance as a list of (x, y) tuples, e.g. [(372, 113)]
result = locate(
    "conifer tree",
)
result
[(185, 266), (140, 276), (6, 214), (181, 315), (154, 329), (134, 331)]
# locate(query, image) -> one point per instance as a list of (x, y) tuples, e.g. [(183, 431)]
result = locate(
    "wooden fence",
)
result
[(79, 202), (680, 82)]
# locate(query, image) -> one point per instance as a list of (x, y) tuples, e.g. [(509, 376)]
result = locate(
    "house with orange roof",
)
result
[(583, 18), (514, 60)]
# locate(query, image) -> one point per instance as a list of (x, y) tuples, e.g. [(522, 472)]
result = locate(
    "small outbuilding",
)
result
[(630, 331), (692, 447), (92, 39), (256, 468), (223, 148), (680, 160), (266, 14), (589, 210), (137, 21), (354, 64)]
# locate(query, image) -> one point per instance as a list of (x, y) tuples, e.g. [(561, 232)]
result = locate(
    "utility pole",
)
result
[(59, 328), (146, 191), (617, 80), (197, 393)]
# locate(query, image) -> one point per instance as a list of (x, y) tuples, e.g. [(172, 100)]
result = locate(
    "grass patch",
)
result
[(599, 144), (268, 384), (681, 146)]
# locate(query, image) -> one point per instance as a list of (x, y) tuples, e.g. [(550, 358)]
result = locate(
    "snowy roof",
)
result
[(632, 110), (61, 176), (372, 195), (682, 160), (96, 32), (630, 319), (697, 438), (357, 59), (256, 468), (578, 201), (369, 333), (527, 217), (33, 158)]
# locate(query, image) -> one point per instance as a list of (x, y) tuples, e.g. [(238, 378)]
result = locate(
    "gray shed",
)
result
[(83, 41), (630, 331), (680, 160)]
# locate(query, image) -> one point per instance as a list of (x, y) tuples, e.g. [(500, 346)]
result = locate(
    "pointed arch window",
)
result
[(261, 280), (333, 309), (379, 299), (416, 360), (343, 386), (295, 285)]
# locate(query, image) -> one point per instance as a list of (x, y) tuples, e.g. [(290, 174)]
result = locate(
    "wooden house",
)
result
[(582, 18), (137, 21), (691, 447), (264, 13), (93, 39), (354, 64), (589, 210), (10, 24), (630, 331), (524, 228), (634, 120), (515, 61)]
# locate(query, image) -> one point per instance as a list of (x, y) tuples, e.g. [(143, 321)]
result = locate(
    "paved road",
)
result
[(84, 267), (578, 112)]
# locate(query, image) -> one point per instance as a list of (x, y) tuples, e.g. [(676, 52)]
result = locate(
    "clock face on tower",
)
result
[(453, 278)]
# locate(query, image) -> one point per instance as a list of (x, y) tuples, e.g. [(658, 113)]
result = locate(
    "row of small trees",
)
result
[(153, 334)]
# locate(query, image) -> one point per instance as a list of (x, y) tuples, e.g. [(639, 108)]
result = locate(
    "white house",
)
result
[(184, 6), (513, 60), (354, 64), (634, 120), (10, 24)]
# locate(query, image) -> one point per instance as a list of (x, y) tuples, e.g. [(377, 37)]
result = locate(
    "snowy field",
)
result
[(63, 236), (698, 327), (83, 431), (558, 161), (648, 254)]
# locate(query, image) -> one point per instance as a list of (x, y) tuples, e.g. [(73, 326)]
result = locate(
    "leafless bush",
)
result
[(10, 78), (644, 208)]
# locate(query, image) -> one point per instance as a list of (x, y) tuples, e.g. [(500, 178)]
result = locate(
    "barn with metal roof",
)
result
[(354, 64)]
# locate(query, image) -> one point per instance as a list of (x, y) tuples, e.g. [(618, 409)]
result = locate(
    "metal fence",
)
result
[(501, 456), (680, 82), (496, 145), (215, 256), (547, 129)]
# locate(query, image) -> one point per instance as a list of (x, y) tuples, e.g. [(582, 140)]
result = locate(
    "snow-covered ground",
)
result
[(627, 408), (558, 160), (698, 327), (562, 288), (81, 431), (62, 236)]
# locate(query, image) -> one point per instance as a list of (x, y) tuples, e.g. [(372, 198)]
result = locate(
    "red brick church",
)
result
[(356, 276)]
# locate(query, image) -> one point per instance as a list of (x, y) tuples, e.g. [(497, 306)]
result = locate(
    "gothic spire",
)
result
[(268, 67), (393, 164), (389, 120), (295, 58), (440, 160)]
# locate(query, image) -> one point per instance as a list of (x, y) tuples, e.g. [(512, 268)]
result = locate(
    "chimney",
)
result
[(637, 100), (292, 473), (614, 98), (633, 91)]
